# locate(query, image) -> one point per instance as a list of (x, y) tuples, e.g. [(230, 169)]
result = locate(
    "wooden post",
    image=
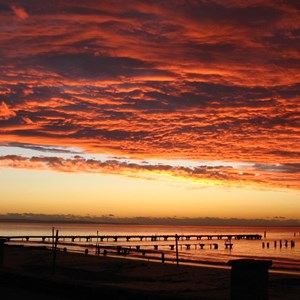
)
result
[(52, 238), (176, 243), (54, 252)]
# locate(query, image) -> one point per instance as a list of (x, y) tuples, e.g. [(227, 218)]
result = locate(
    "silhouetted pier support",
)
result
[(54, 252), (249, 279), (176, 244), (228, 245), (2, 242), (286, 243)]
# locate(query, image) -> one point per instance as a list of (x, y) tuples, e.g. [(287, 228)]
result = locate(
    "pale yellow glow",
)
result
[(95, 194)]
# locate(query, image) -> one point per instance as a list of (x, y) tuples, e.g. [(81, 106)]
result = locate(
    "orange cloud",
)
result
[(212, 80), (19, 12), (5, 111), (278, 176)]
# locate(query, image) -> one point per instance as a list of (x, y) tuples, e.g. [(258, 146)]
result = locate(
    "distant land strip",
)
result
[(201, 221)]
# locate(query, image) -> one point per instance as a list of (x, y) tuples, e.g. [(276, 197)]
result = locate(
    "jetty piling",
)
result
[(177, 257), (54, 253), (286, 244)]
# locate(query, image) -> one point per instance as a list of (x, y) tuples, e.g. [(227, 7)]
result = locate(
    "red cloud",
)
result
[(205, 80), (6, 112), (19, 12)]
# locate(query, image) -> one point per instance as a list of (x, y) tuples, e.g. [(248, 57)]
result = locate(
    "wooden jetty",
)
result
[(116, 238), (152, 248)]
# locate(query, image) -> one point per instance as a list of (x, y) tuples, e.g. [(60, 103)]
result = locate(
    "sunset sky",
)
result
[(179, 109)]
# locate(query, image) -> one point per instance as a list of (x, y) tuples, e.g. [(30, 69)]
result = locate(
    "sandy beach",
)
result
[(27, 273)]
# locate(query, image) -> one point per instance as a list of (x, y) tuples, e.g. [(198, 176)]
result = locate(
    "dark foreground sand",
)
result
[(27, 274)]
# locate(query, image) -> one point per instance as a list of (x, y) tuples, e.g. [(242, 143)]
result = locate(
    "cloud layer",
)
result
[(107, 219), (263, 175), (197, 80)]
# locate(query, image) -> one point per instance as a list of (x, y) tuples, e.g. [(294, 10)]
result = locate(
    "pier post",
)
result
[(176, 244), (97, 249), (2, 242), (54, 253), (249, 279), (53, 239)]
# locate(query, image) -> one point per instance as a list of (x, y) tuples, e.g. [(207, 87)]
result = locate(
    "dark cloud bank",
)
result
[(111, 219)]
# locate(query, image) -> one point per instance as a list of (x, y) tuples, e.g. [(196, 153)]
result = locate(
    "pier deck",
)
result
[(115, 238)]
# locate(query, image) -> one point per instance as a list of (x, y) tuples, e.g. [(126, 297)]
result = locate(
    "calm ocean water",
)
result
[(285, 257)]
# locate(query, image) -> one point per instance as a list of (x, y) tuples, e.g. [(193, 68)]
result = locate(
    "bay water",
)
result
[(284, 257)]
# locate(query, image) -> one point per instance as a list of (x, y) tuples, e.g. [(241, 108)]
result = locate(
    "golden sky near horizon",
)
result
[(144, 108)]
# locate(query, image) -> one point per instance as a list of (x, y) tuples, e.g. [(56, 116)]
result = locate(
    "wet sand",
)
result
[(27, 274)]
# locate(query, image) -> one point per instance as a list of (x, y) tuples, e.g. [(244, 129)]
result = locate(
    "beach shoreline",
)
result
[(31, 270), (155, 258)]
